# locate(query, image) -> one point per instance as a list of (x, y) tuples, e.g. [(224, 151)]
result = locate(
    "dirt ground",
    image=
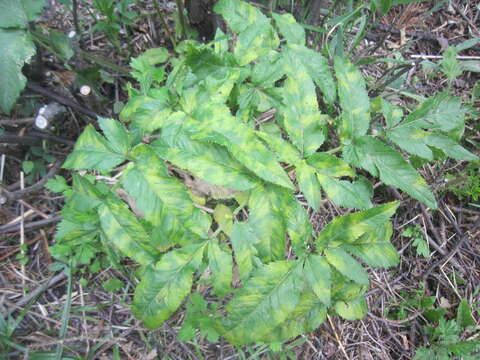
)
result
[(100, 324)]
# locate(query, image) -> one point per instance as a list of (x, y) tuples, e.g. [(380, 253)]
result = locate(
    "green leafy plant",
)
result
[(445, 338), (18, 47), (419, 242), (466, 185), (200, 189)]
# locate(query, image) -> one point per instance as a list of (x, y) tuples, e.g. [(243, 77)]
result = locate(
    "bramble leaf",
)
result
[(92, 152), (381, 160), (352, 310), (153, 190), (302, 119), (221, 265), (17, 49), (315, 65), (289, 28), (346, 265), (348, 228), (122, 228), (264, 302), (308, 182), (118, 137), (18, 13), (353, 96), (165, 284), (317, 272)]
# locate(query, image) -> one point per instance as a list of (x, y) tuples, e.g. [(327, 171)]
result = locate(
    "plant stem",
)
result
[(181, 17), (165, 24)]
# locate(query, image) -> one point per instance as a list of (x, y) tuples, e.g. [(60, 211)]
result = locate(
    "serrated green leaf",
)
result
[(92, 152), (266, 219), (221, 265), (330, 165), (449, 65), (147, 113), (17, 49), (224, 218), (348, 228), (374, 247), (308, 315), (309, 185), (383, 6), (352, 310), (316, 67), (57, 184), (265, 301), (381, 160), (392, 114), (18, 13), (464, 314), (440, 112), (122, 228), (299, 227), (255, 34), (118, 137), (219, 126), (210, 162), (317, 272), (243, 243), (449, 147), (353, 96), (154, 190), (164, 285), (301, 117), (346, 265), (343, 193), (289, 28), (284, 151)]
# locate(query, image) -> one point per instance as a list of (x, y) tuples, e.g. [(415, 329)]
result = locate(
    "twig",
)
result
[(337, 337), (22, 229), (418, 56), (26, 299), (16, 122), (181, 16), (447, 257), (75, 17), (19, 194), (30, 226), (61, 99), (165, 24)]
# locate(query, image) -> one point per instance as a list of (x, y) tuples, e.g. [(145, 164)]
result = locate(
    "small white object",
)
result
[(72, 34), (85, 90), (41, 122), (42, 109)]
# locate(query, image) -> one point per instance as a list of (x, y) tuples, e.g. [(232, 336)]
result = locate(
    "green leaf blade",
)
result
[(264, 302), (17, 49), (92, 152), (354, 100), (346, 265), (381, 160), (122, 228), (164, 286)]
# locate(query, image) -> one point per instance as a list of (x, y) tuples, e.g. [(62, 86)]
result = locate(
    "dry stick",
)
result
[(19, 194), (30, 226), (75, 17), (16, 122), (448, 257), (181, 16), (17, 249), (22, 229), (165, 24), (26, 299), (338, 338), (62, 100)]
